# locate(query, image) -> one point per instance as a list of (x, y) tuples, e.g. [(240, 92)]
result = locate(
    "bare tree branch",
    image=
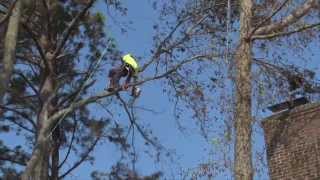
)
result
[(71, 142), (132, 120), (55, 118), (83, 158), (27, 59), (296, 15), (159, 49), (4, 4), (12, 159), (70, 28), (188, 33), (269, 17), (95, 98), (73, 95), (21, 114), (19, 125), (37, 43), (30, 84), (281, 34)]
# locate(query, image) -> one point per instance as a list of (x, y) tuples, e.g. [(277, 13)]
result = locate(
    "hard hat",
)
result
[(131, 61)]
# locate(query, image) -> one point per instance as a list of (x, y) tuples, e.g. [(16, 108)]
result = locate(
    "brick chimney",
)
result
[(293, 143)]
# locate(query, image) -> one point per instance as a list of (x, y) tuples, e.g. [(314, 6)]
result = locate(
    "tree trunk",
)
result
[(10, 43), (243, 121), (55, 154), (38, 166)]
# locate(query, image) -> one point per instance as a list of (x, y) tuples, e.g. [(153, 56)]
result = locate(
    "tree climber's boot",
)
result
[(112, 86)]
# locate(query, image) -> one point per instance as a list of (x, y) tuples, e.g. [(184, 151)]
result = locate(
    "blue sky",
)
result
[(190, 147)]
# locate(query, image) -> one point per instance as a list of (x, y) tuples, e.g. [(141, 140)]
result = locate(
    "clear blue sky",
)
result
[(191, 148)]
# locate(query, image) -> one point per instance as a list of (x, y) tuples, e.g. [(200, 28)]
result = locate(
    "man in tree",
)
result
[(129, 68)]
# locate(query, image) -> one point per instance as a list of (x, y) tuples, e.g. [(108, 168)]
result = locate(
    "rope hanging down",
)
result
[(81, 88)]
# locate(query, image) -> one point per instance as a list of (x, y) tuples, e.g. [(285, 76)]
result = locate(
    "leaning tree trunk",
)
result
[(243, 121), (10, 43)]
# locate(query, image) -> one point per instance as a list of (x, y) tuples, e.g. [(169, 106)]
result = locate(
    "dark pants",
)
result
[(115, 75)]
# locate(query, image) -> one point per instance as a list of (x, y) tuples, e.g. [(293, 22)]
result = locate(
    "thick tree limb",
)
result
[(296, 15), (269, 17), (281, 34), (48, 14)]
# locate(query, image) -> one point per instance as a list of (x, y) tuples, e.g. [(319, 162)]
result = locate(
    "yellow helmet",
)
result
[(131, 62)]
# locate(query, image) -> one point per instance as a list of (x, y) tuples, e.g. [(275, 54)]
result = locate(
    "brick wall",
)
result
[(293, 143)]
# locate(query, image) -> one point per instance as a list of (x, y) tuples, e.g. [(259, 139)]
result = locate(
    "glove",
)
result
[(125, 86), (136, 91)]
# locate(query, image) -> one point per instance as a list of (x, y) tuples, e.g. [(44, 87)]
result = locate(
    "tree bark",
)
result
[(55, 154), (38, 166), (243, 160), (292, 18), (10, 43)]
